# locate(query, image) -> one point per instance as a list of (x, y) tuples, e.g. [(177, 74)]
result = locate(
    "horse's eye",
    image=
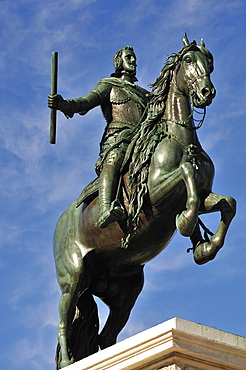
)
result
[(188, 60)]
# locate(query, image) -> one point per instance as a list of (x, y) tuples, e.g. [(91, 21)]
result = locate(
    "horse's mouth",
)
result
[(202, 102), (204, 97)]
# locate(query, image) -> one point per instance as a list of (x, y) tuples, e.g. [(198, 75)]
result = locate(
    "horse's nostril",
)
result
[(205, 91)]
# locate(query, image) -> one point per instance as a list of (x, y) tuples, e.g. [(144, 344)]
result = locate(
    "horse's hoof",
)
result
[(106, 341), (185, 225), (205, 252), (65, 363)]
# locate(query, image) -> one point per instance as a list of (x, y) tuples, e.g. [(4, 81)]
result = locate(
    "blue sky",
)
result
[(39, 180)]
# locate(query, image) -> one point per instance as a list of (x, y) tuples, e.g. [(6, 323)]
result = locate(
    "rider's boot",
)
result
[(110, 208)]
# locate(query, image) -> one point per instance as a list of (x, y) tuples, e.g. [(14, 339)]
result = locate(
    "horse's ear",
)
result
[(202, 43), (185, 40)]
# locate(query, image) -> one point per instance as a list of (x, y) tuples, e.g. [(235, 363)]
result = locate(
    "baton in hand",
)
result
[(54, 74)]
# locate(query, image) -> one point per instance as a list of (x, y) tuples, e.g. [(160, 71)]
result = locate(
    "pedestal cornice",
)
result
[(173, 345)]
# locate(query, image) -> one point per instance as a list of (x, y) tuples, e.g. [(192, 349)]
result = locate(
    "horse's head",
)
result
[(193, 73)]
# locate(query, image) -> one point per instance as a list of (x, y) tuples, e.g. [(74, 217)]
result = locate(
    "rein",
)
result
[(186, 124), (200, 122)]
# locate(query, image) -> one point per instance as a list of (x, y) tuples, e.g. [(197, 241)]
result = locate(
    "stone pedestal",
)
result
[(173, 345)]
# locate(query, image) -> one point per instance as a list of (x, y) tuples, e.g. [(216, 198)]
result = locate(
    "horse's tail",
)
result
[(84, 337), (85, 327)]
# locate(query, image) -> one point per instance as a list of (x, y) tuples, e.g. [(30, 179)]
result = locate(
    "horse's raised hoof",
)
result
[(185, 225), (205, 252)]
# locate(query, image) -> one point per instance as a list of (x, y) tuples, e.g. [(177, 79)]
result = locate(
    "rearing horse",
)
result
[(169, 184)]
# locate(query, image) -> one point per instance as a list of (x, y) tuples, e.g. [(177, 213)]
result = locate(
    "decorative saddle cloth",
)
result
[(88, 193)]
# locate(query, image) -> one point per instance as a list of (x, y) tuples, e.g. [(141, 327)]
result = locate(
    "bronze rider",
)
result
[(122, 104)]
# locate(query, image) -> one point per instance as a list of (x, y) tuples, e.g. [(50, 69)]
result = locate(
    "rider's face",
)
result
[(129, 61)]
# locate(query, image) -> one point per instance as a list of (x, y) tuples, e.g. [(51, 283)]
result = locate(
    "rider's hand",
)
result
[(55, 101)]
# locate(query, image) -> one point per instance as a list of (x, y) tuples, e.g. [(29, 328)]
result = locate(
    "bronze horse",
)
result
[(168, 186)]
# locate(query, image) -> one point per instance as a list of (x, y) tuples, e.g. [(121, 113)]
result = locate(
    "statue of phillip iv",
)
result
[(123, 104)]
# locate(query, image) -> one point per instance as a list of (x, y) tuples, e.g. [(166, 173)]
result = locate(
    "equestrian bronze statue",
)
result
[(164, 182)]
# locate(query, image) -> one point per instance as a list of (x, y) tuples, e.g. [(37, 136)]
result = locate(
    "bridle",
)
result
[(190, 83)]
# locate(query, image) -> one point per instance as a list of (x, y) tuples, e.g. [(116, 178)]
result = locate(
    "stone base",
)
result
[(173, 345)]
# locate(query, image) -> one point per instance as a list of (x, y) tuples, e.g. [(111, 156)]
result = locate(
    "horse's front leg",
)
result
[(161, 186), (206, 251), (187, 220)]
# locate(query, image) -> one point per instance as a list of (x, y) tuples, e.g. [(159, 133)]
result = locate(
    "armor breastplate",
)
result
[(124, 109)]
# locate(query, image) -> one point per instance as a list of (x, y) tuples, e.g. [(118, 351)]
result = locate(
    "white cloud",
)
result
[(37, 352)]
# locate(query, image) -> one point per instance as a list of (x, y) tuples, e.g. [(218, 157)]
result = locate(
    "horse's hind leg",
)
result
[(120, 305), (72, 281), (206, 251), (66, 312)]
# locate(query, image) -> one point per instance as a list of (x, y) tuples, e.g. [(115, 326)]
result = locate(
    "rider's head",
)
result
[(125, 62)]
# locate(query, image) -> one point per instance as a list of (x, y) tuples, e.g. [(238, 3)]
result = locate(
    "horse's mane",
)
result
[(150, 134)]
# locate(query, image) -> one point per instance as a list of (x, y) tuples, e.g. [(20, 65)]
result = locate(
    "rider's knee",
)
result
[(114, 158)]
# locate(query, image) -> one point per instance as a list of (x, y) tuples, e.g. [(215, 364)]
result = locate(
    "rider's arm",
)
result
[(82, 105)]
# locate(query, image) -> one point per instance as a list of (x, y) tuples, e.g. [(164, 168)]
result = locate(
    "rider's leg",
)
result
[(110, 207)]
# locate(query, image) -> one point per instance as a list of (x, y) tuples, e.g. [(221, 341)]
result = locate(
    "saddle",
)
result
[(89, 193)]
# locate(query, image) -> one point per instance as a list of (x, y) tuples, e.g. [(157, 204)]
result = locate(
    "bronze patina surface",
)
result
[(166, 184)]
